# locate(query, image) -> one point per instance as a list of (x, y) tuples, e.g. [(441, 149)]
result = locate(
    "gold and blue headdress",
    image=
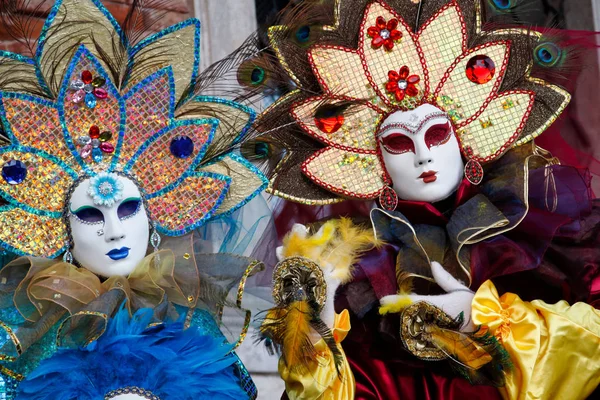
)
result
[(91, 102)]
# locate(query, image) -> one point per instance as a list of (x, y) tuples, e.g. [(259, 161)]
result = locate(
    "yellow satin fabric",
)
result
[(555, 348), (321, 381)]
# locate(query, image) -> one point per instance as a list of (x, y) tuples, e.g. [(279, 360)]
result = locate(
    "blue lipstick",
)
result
[(119, 254)]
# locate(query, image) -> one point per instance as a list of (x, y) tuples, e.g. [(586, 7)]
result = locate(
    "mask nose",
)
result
[(423, 155), (113, 229)]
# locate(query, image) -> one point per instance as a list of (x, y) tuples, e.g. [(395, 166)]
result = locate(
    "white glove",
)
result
[(458, 298)]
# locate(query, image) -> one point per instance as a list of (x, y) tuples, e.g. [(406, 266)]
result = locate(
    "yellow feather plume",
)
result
[(338, 243), (400, 302), (460, 347)]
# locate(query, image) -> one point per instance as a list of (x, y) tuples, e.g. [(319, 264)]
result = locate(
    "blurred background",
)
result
[(225, 25)]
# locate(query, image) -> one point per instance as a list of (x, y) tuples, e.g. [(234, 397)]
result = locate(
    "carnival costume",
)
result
[(378, 80), (99, 110)]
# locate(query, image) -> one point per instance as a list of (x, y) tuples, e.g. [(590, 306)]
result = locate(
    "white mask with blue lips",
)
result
[(109, 239), (421, 154)]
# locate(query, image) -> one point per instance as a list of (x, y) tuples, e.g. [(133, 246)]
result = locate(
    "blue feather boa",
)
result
[(170, 362)]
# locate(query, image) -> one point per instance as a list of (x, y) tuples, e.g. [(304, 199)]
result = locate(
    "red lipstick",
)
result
[(428, 176)]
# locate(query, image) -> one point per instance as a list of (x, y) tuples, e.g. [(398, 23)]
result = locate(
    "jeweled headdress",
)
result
[(92, 103), (374, 59)]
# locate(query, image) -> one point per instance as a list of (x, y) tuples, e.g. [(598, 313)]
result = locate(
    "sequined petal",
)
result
[(181, 209), (156, 167), (44, 186), (46, 235), (150, 108)]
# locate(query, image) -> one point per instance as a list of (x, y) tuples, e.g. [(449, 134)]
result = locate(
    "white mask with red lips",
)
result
[(421, 154), (109, 239)]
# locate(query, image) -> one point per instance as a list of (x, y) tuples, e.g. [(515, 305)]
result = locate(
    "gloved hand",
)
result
[(458, 298)]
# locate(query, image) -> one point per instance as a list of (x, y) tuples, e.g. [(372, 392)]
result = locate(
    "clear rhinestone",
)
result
[(403, 85), (105, 188), (384, 33)]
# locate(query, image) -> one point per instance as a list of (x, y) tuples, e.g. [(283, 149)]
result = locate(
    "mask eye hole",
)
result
[(438, 135), (397, 143), (89, 215), (129, 207)]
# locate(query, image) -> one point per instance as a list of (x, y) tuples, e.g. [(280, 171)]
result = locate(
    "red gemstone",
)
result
[(107, 147), (380, 23), (413, 79), (396, 35), (404, 71), (400, 95), (377, 41), (373, 31), (480, 69), (391, 87), (86, 77), (393, 76), (392, 24), (388, 44), (330, 124), (100, 93), (94, 132), (412, 90)]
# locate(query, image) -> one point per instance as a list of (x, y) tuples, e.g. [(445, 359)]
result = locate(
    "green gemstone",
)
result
[(105, 136), (98, 82)]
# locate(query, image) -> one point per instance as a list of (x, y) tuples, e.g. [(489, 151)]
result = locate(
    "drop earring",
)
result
[(388, 199), (68, 256), (155, 238)]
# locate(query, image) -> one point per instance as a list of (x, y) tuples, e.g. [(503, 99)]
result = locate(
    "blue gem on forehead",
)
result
[(14, 172), (182, 147)]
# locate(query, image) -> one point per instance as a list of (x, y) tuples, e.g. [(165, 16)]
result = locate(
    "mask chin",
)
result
[(109, 240)]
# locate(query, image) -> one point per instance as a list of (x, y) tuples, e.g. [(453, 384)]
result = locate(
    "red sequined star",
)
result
[(384, 33)]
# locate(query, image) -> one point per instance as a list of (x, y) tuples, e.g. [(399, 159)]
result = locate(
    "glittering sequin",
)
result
[(188, 204)]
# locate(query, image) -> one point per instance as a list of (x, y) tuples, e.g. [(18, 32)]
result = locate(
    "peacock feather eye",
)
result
[(261, 150), (257, 76), (503, 5), (303, 34), (251, 73), (547, 54)]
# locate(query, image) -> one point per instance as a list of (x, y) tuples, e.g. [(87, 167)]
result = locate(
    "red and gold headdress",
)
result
[(372, 62)]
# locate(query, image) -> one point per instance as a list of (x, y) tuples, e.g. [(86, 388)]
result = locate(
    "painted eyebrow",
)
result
[(131, 199), (82, 208)]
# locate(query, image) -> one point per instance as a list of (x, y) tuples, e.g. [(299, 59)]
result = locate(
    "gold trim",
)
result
[(15, 341), (271, 35), (415, 238), (510, 227), (93, 313), (10, 373), (551, 120), (255, 266)]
